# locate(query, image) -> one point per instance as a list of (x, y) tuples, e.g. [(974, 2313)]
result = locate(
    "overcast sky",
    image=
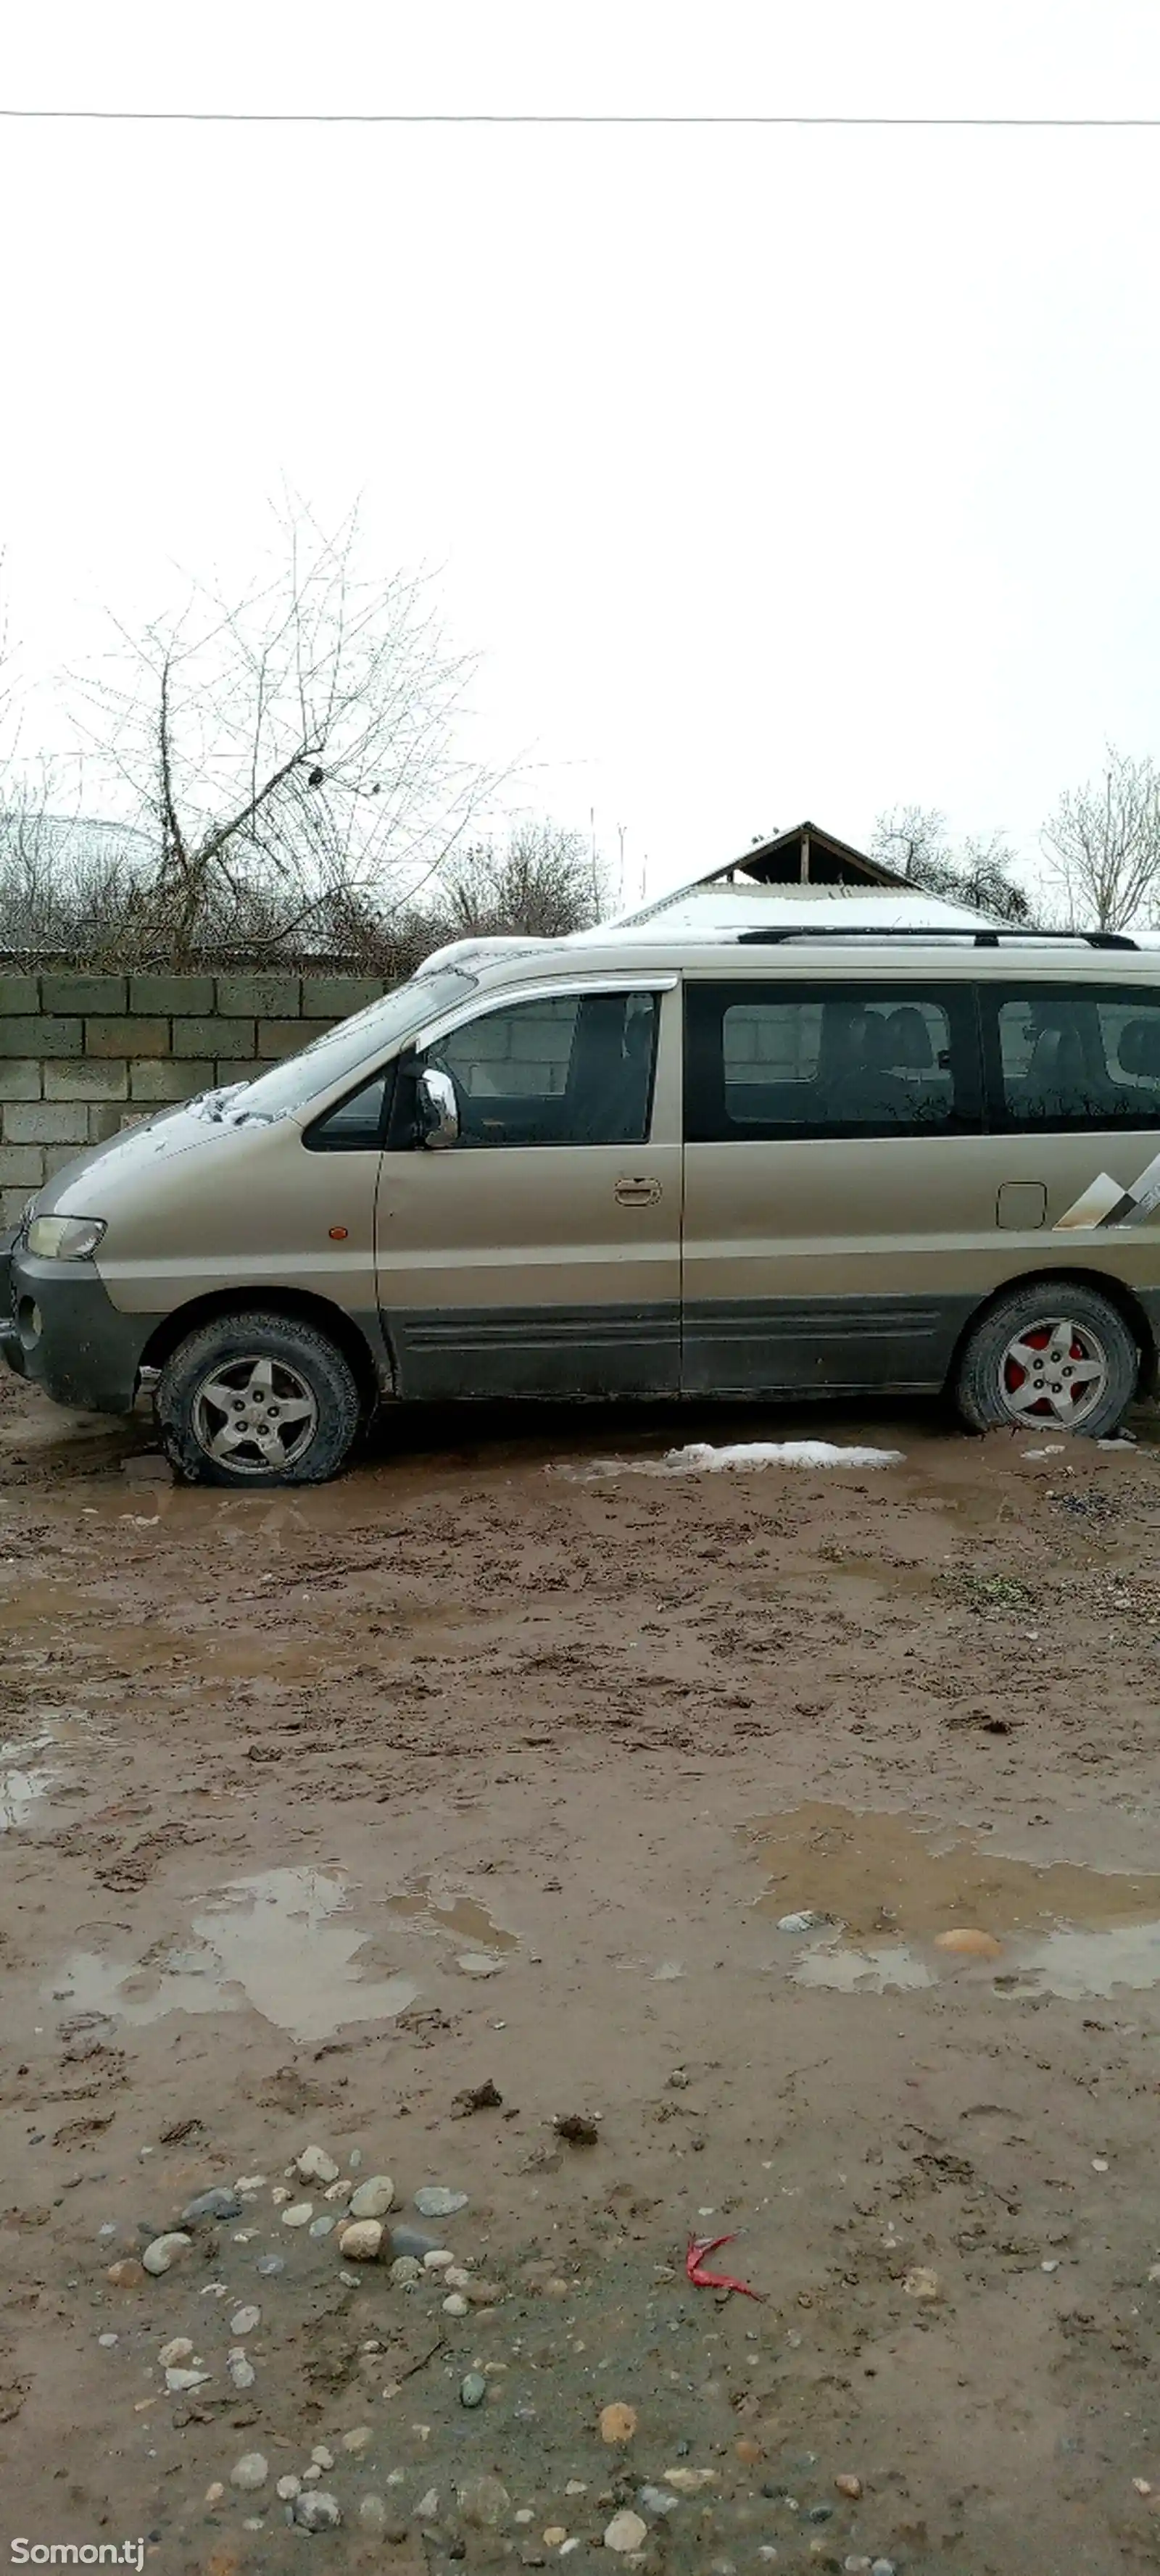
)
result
[(770, 472)]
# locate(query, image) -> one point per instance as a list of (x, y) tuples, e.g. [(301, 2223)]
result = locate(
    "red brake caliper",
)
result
[(1016, 1376)]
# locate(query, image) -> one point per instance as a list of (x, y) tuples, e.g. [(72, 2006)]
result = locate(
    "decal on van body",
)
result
[(1106, 1203)]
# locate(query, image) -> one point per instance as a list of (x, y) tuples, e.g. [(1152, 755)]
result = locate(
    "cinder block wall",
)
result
[(84, 1055)]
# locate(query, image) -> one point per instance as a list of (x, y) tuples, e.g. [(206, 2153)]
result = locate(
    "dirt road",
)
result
[(498, 1765)]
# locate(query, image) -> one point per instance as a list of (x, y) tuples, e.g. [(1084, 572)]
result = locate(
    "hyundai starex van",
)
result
[(770, 1165)]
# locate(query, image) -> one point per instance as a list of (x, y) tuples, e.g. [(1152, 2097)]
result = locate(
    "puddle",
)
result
[(459, 1915), (272, 1942), (31, 1768), (890, 1885)]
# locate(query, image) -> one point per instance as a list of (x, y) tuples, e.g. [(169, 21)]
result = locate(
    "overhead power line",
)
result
[(374, 116)]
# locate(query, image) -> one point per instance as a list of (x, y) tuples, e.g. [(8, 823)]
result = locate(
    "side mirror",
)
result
[(438, 1109)]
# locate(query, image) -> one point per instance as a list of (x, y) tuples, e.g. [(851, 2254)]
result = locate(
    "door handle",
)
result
[(638, 1193)]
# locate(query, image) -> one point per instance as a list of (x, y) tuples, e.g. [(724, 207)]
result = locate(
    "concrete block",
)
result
[(126, 1037), (334, 997), (74, 992), (105, 1120), (210, 1037), (227, 1070), (87, 1078), (20, 1080), (167, 994), (21, 1165), (12, 1206), (287, 1037), (40, 1037), (19, 993), (159, 1078), (56, 1157), (265, 997), (46, 1123)]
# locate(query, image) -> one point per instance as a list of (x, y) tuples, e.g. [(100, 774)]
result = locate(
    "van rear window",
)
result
[(1073, 1056)]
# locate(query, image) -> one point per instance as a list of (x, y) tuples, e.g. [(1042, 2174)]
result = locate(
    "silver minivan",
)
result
[(770, 1164)]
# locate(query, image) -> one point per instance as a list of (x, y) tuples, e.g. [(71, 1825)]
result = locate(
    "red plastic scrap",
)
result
[(699, 2247)]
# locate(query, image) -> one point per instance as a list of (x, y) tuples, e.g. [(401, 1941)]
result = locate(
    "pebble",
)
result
[(125, 2275), (803, 1922), (919, 2283), (316, 2510), (314, 2165), (279, 2194), (362, 2241), (358, 2439), (689, 2481), (108, 2341), (405, 2269), (579, 2486), (372, 2513), (269, 2265), (856, 2566), (617, 2423), (439, 2260), (484, 2503), (244, 2321), (250, 2472), (657, 2500), (1049, 2267), (473, 2389), (525, 2514), (849, 2486), (1099, 2164), (882, 2567), (250, 2182), (479, 1963), (339, 2192), (242, 2372), (354, 2159), (165, 2251), (626, 2532), (291, 2486), (179, 2350), (320, 2457), (434, 2201), (320, 2227), (555, 2536), (428, 2505), (177, 2381), (455, 2306), (373, 2197), (411, 2240), (299, 2214), (211, 2204), (967, 1944)]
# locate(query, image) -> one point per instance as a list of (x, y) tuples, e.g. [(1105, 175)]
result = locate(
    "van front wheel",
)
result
[(1050, 1357), (254, 1400)]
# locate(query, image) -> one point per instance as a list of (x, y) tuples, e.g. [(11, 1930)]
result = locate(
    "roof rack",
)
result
[(776, 938)]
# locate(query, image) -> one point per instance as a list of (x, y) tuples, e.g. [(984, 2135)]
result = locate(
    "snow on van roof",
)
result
[(712, 912)]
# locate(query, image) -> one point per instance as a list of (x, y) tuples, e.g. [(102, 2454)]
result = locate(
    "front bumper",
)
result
[(60, 1328)]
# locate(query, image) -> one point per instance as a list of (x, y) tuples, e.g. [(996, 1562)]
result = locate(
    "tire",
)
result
[(1083, 1384), (253, 1400)]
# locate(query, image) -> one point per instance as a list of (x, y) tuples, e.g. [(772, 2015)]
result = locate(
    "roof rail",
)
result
[(775, 938)]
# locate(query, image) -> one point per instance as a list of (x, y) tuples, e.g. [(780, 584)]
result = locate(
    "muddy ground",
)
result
[(275, 1769)]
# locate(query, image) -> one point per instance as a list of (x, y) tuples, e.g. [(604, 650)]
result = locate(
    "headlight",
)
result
[(64, 1238)]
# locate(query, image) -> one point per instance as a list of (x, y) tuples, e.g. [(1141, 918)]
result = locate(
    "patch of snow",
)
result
[(700, 1455)]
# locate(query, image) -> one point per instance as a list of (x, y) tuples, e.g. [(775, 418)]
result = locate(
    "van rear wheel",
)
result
[(257, 1400), (1053, 1356)]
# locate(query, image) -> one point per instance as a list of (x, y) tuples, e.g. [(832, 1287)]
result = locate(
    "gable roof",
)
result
[(807, 855)]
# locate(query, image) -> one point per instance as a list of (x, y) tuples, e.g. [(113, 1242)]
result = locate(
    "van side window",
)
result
[(354, 1125), (770, 1060), (576, 1069), (1066, 1056)]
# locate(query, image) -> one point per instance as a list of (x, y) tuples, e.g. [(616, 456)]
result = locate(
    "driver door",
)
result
[(539, 1254)]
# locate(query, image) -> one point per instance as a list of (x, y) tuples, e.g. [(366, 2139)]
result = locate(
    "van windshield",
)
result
[(340, 1050)]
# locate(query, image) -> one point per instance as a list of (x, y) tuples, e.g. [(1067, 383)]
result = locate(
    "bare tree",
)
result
[(290, 751), (915, 840), (1104, 845), (544, 881)]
